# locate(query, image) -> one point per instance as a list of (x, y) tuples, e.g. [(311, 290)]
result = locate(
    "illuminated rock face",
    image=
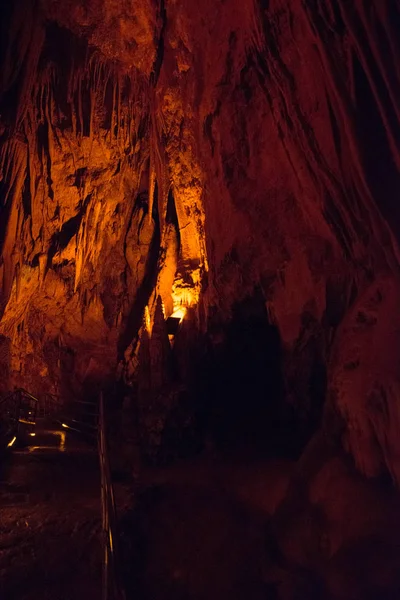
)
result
[(200, 152)]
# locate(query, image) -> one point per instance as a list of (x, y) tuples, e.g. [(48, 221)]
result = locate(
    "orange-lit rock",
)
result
[(365, 378), (205, 153)]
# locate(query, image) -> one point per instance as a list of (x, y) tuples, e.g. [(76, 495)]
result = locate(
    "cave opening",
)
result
[(244, 382)]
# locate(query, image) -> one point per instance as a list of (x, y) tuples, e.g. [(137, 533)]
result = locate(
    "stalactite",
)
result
[(13, 165), (92, 108), (113, 111), (42, 268), (158, 167), (35, 49), (118, 111), (381, 232), (163, 188), (17, 281), (363, 50), (152, 183), (78, 257)]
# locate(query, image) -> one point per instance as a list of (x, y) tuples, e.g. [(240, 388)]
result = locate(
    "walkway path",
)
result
[(50, 520)]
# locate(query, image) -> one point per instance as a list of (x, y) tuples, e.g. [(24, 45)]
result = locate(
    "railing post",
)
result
[(18, 408), (112, 589)]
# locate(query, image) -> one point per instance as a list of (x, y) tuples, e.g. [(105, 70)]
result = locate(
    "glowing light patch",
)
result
[(179, 313), (64, 425), (147, 319), (32, 434), (12, 442), (111, 542)]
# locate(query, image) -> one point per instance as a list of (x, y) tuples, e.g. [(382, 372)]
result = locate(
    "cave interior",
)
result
[(198, 221)]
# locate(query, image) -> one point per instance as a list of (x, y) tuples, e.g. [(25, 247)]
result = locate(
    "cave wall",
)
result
[(199, 152)]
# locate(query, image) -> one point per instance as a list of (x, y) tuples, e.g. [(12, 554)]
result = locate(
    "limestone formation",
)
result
[(206, 153)]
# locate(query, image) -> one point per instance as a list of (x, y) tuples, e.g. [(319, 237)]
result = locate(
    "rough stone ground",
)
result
[(211, 527), (50, 522), (196, 529), (218, 528)]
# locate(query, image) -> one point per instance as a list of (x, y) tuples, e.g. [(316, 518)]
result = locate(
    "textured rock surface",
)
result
[(198, 151), (334, 534)]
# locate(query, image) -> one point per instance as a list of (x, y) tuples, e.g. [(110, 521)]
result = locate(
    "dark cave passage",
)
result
[(244, 385)]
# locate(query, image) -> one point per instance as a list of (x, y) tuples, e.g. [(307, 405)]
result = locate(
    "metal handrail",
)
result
[(17, 393), (6, 397), (79, 419), (26, 393), (112, 587), (49, 404), (82, 423), (13, 402), (9, 413)]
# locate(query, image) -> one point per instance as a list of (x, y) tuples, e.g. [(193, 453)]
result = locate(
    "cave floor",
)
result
[(50, 524), (197, 528), (206, 529)]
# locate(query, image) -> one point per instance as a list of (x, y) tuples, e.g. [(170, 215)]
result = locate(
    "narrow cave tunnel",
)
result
[(199, 284)]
